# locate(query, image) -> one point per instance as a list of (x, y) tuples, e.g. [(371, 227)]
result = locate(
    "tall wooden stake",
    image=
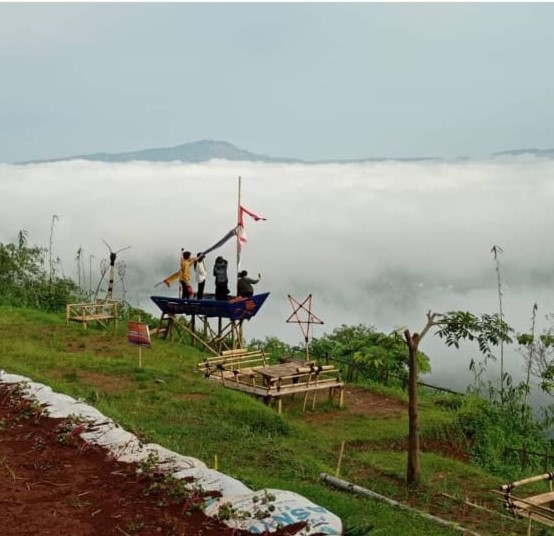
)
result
[(140, 351), (337, 470)]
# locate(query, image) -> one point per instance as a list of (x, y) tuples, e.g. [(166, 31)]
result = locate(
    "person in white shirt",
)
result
[(200, 271)]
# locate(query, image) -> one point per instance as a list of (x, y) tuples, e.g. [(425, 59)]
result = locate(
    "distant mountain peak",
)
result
[(193, 152), (548, 153)]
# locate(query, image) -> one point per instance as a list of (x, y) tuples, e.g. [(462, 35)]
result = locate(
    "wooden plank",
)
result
[(229, 358), (236, 351), (232, 361), (238, 364), (300, 375), (540, 499), (217, 362), (91, 318), (284, 391), (293, 388)]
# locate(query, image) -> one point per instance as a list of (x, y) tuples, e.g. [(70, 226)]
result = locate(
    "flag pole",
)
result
[(238, 235)]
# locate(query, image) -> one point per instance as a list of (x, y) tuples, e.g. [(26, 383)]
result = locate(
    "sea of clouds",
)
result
[(378, 243)]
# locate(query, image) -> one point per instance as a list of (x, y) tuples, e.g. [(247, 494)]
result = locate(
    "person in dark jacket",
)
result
[(244, 284), (221, 280)]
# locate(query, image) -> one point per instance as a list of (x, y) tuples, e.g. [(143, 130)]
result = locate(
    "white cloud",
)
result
[(375, 243)]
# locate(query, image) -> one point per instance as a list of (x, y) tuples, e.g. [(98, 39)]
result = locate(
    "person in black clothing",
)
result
[(221, 280), (244, 284)]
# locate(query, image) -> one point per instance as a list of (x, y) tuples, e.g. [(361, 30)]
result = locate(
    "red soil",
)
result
[(52, 483)]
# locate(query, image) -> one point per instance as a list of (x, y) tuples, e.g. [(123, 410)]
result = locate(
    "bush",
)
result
[(24, 281), (493, 431)]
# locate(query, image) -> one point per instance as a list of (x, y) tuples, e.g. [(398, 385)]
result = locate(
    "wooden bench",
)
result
[(84, 313), (237, 364)]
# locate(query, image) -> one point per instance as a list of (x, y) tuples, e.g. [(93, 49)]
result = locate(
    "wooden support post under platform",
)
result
[(227, 337), (165, 327)]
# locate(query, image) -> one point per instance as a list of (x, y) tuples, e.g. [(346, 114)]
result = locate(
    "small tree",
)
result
[(527, 340), (487, 331), (413, 340), (496, 251)]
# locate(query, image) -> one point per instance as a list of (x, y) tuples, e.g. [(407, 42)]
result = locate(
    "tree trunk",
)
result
[(413, 472)]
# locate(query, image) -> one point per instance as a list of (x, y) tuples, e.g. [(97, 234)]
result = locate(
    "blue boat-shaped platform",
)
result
[(234, 308)]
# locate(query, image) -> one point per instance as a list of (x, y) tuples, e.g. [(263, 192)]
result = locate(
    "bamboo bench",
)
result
[(233, 363), (91, 312), (247, 371)]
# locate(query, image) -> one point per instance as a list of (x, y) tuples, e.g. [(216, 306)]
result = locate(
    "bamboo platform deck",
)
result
[(248, 371), (539, 507)]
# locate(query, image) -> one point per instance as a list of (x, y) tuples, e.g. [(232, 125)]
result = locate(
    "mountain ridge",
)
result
[(205, 150), (200, 151)]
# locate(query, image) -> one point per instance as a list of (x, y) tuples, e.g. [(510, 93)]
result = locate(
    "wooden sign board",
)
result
[(138, 333)]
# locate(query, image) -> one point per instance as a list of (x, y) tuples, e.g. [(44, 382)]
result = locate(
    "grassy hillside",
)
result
[(168, 401)]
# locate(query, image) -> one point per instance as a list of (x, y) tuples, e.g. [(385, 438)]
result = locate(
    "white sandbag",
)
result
[(208, 479), (37, 390), (282, 508), (59, 405), (168, 460), (5, 377), (108, 434), (186, 463), (85, 412)]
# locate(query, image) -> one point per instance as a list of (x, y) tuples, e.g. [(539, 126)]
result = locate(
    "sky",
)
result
[(378, 243), (315, 81)]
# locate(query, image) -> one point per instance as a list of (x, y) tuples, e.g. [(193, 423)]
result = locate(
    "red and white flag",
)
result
[(244, 210), (241, 232)]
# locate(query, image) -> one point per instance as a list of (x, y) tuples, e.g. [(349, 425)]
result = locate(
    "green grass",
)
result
[(169, 402)]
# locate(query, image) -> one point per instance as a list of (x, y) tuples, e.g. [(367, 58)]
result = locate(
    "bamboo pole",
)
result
[(238, 237), (315, 392), (467, 502), (544, 476), (339, 461), (306, 395), (347, 486)]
